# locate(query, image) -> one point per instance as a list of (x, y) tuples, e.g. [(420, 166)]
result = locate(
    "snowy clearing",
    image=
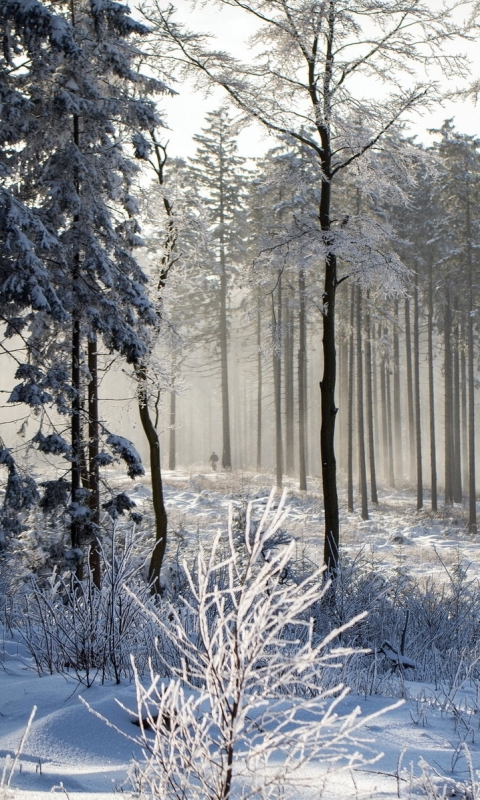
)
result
[(69, 750)]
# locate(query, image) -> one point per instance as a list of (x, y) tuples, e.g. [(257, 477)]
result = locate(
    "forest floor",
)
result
[(71, 752)]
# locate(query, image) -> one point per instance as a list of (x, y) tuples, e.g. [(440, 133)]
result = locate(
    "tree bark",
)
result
[(351, 395), (328, 382), (289, 393), (464, 406), (418, 420), (431, 393), (362, 467), (160, 513), (302, 388), (369, 399), (457, 453), (411, 411), (172, 437), (75, 526), (472, 493), (76, 424), (93, 466), (384, 405), (277, 383), (259, 389), (397, 398), (448, 399), (227, 452), (388, 392)]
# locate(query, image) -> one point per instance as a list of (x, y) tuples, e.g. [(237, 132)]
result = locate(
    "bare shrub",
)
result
[(245, 713)]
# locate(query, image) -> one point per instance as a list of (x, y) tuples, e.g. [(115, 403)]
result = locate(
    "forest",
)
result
[(238, 402)]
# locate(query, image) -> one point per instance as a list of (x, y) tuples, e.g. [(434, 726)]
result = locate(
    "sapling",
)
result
[(245, 713)]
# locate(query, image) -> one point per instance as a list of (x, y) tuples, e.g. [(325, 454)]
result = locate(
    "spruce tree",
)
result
[(218, 171)]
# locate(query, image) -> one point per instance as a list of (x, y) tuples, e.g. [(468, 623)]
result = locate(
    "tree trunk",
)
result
[(172, 438), (362, 467), (289, 396), (328, 382), (383, 403), (418, 420), (397, 398), (157, 484), (464, 406), (93, 467), (411, 411), (448, 381), (343, 392), (457, 453), (76, 435), (369, 399), (76, 423), (226, 453), (431, 392), (259, 389), (302, 388), (388, 392), (277, 383), (472, 493), (351, 395)]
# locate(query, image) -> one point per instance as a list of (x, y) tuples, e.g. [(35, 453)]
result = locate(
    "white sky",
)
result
[(185, 113)]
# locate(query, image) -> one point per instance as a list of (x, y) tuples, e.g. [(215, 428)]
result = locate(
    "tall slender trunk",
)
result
[(362, 466), (457, 453), (448, 399), (397, 405), (464, 406), (75, 526), (160, 513), (172, 437), (328, 382), (369, 399), (390, 454), (472, 492), (383, 403), (226, 452), (277, 382), (289, 394), (93, 466), (411, 411), (76, 425), (259, 389), (376, 361), (343, 393), (351, 394), (418, 420), (431, 392), (302, 388)]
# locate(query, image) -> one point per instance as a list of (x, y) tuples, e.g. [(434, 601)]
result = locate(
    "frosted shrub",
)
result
[(72, 625), (245, 713), (441, 632)]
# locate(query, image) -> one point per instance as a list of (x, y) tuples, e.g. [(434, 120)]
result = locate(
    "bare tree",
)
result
[(302, 82)]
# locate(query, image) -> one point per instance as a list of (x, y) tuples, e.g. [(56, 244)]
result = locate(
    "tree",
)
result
[(217, 170), (302, 82), (84, 109), (460, 184)]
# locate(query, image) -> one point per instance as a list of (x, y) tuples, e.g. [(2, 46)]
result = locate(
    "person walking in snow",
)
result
[(213, 461)]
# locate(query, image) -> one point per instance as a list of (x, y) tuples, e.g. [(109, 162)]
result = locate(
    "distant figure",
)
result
[(213, 461)]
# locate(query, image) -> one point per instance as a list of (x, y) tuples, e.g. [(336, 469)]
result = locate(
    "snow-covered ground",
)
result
[(70, 751)]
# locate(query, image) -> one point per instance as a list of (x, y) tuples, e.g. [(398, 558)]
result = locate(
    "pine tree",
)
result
[(218, 171), (84, 111)]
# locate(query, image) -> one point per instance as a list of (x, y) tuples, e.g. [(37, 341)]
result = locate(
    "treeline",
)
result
[(406, 359), (343, 200)]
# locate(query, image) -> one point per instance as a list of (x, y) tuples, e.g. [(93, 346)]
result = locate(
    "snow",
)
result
[(68, 746)]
